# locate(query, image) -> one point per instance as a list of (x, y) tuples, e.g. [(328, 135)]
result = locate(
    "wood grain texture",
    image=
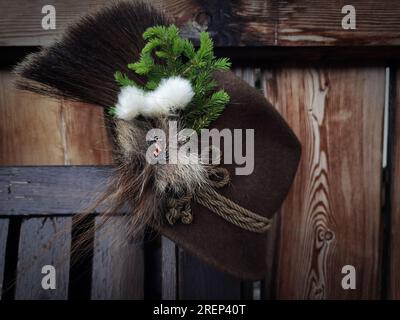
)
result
[(315, 22), (50, 190), (332, 215), (30, 127), (231, 23), (168, 269), (21, 22), (3, 243), (268, 292), (40, 131), (118, 264), (394, 280), (85, 136), (43, 241)]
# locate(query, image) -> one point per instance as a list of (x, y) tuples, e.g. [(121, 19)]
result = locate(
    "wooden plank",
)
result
[(198, 281), (43, 241), (315, 22), (30, 127), (35, 130), (247, 74), (85, 135), (332, 216), (25, 20), (169, 269), (231, 23), (118, 269), (153, 265), (50, 190), (394, 280), (3, 243)]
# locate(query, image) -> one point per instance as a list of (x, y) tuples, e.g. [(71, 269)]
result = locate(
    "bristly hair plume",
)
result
[(82, 64), (81, 67)]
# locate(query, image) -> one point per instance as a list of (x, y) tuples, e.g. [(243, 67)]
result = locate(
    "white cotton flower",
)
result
[(131, 102), (172, 94)]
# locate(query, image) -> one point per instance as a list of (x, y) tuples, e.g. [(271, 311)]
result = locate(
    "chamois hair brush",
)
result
[(80, 67)]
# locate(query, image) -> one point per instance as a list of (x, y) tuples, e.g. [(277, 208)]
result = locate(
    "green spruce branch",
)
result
[(167, 54)]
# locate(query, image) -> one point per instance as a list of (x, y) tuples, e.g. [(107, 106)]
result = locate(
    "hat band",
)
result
[(179, 208)]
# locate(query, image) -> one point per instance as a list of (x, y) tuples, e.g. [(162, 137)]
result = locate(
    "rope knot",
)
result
[(178, 207), (218, 177)]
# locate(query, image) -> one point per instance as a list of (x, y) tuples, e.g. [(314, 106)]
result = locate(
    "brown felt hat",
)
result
[(220, 243), (81, 66)]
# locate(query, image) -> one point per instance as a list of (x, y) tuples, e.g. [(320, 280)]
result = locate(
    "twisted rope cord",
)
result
[(179, 208)]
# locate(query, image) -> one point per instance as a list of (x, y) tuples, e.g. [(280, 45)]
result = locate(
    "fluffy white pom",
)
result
[(131, 102), (171, 94)]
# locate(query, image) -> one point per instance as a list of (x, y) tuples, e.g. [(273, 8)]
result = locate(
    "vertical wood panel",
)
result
[(117, 262), (43, 241), (395, 198), (85, 135), (35, 130), (30, 127), (199, 281), (168, 269), (3, 243), (332, 216)]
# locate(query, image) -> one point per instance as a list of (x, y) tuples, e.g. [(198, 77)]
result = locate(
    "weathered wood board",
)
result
[(50, 190), (332, 216), (3, 244), (35, 130), (117, 262), (43, 241), (169, 276), (231, 23), (30, 127), (314, 22), (85, 136)]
